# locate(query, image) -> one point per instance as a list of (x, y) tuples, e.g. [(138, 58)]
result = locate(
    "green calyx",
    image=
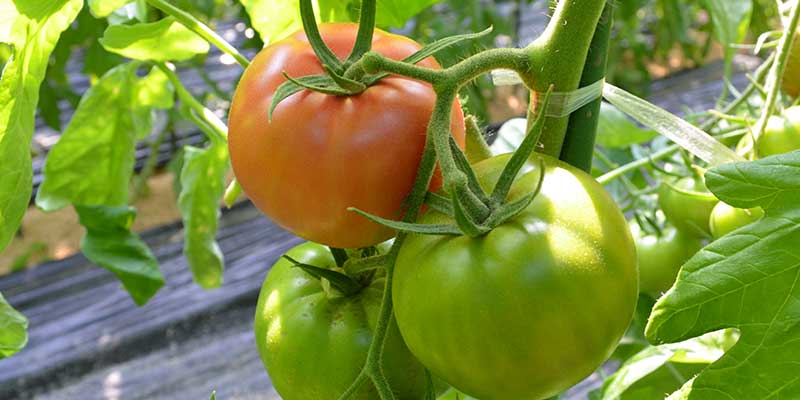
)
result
[(475, 212), (350, 77), (354, 271)]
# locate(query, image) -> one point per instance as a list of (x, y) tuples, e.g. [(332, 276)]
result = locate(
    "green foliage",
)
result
[(102, 8), (110, 244), (731, 21), (13, 329), (34, 34), (164, 40), (275, 19), (202, 187), (702, 350), (93, 161), (746, 280), (615, 130)]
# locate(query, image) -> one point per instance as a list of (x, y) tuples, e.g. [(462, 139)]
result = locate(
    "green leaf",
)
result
[(747, 280), (93, 160), (13, 329), (102, 8), (164, 40), (703, 350), (730, 20), (615, 130), (8, 13), (684, 134), (110, 244), (34, 34), (276, 19), (155, 90), (396, 12), (771, 183), (202, 185)]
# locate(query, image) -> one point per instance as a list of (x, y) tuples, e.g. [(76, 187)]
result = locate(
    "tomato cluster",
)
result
[(522, 312)]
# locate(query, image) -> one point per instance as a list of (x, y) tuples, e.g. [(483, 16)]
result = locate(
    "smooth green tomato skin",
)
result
[(726, 218), (782, 133), (314, 344), (687, 204), (532, 307), (661, 257)]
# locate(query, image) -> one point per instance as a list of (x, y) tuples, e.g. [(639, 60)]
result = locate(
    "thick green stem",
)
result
[(774, 77), (201, 29), (579, 139), (324, 54), (413, 205), (557, 58), (366, 27)]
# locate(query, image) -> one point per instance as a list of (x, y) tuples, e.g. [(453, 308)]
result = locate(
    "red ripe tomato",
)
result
[(323, 153)]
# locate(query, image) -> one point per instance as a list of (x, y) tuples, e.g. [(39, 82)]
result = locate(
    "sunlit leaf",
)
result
[(202, 186), (34, 34), (93, 160), (101, 8), (164, 40)]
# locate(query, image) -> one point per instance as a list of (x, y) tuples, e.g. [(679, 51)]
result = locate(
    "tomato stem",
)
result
[(557, 58), (366, 27), (325, 55)]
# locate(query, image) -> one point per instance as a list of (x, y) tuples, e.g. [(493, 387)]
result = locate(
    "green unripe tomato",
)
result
[(314, 341), (660, 257), (782, 133), (687, 204), (726, 218), (530, 308)]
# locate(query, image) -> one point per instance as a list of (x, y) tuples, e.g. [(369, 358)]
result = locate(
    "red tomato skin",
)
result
[(321, 153)]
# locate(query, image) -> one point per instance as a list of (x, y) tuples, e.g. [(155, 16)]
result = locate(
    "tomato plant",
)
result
[(533, 306), (687, 204), (660, 255), (314, 339), (321, 153), (726, 218)]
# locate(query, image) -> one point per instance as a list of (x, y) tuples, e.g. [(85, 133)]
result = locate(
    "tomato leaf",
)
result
[(155, 90), (615, 130), (34, 34), (13, 329), (202, 185), (163, 40), (102, 8), (686, 135), (772, 182), (93, 160), (746, 280), (703, 350), (730, 22), (110, 244)]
